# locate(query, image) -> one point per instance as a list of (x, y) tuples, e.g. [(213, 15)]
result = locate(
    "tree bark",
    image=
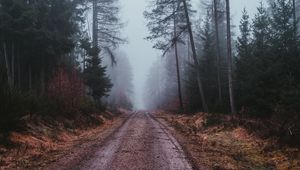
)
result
[(218, 51), (200, 86), (189, 51), (12, 64), (84, 61), (7, 64), (178, 78), (177, 64), (229, 59), (19, 68), (95, 24), (294, 15), (30, 78), (43, 81)]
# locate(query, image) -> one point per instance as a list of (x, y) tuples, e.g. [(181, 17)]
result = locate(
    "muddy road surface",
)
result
[(140, 143)]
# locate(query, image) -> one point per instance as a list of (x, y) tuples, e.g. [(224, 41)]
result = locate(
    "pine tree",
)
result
[(208, 62), (167, 26), (107, 26), (162, 16), (95, 74), (283, 34), (272, 85), (251, 87), (29, 25), (244, 60), (229, 59), (192, 42), (217, 35), (177, 66), (285, 66), (261, 32), (243, 41)]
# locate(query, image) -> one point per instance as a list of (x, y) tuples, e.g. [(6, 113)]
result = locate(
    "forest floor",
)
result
[(46, 141), (142, 140), (212, 144), (132, 141)]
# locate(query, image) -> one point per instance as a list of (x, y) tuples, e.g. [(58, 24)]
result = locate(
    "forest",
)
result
[(254, 75), (51, 66), (61, 61)]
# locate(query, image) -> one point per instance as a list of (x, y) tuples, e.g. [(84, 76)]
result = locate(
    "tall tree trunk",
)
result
[(200, 86), (43, 81), (294, 15), (218, 51), (295, 48), (13, 64), (30, 77), (95, 23), (7, 64), (84, 61), (19, 68), (229, 59), (177, 63), (189, 51), (178, 77)]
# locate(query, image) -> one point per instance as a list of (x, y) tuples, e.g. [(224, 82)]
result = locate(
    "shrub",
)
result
[(67, 90), (14, 105)]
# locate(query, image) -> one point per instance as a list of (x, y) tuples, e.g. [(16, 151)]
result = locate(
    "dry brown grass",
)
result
[(218, 144), (45, 141)]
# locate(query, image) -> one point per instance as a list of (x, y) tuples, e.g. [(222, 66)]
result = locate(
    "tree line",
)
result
[(50, 62), (255, 74)]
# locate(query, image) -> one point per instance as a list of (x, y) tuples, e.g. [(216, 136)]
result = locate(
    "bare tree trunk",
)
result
[(19, 68), (8, 73), (177, 64), (294, 15), (30, 78), (229, 55), (200, 86), (13, 64), (84, 61), (43, 81), (295, 26), (178, 78), (189, 51), (95, 24), (218, 51)]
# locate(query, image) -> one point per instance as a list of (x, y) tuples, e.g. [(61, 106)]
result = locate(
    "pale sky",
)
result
[(140, 51)]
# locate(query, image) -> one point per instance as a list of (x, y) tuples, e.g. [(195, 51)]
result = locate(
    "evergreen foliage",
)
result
[(208, 62), (37, 40), (268, 77), (95, 74)]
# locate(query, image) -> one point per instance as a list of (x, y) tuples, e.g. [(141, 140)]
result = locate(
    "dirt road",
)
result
[(140, 143)]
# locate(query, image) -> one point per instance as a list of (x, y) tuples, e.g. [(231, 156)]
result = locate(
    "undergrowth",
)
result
[(17, 107)]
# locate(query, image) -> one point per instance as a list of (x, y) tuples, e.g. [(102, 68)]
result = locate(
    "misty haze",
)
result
[(149, 84)]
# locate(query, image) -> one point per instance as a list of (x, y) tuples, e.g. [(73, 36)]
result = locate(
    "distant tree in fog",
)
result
[(167, 25), (106, 26), (154, 87), (121, 76)]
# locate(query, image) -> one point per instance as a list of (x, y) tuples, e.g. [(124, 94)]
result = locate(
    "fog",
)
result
[(140, 51)]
